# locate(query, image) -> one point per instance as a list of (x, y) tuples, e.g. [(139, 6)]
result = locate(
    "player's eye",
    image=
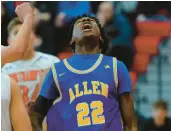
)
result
[(78, 21), (92, 21)]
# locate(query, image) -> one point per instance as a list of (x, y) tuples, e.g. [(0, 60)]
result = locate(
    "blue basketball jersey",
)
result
[(87, 98)]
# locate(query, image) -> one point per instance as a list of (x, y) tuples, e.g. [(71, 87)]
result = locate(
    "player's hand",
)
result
[(24, 10), (29, 106)]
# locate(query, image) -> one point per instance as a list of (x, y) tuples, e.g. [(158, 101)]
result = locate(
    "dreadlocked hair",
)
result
[(103, 42)]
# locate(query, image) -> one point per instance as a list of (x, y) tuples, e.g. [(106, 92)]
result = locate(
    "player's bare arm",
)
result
[(18, 110), (126, 104), (16, 51), (127, 112), (42, 78)]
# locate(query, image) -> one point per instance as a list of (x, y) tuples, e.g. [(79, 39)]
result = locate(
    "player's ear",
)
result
[(72, 42), (101, 40), (9, 40), (101, 44), (72, 45)]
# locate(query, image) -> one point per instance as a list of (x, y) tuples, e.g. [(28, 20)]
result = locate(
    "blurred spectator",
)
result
[(160, 120), (46, 32), (119, 32), (66, 12), (95, 5), (5, 19), (48, 9), (128, 8), (149, 8), (154, 10), (10, 5)]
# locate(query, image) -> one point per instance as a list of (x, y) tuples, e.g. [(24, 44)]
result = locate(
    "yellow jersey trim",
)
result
[(57, 84), (69, 67), (122, 123), (115, 74)]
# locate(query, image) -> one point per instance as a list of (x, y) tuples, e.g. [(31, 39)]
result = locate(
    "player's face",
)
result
[(13, 34), (86, 27)]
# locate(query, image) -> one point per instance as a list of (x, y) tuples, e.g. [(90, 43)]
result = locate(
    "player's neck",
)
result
[(29, 55), (86, 50)]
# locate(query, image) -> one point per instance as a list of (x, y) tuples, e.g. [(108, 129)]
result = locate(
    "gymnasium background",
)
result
[(137, 33)]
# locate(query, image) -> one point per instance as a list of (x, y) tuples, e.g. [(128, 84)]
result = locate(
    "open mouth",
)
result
[(86, 26)]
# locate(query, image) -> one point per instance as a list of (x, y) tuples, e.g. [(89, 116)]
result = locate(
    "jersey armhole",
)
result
[(55, 77), (115, 74)]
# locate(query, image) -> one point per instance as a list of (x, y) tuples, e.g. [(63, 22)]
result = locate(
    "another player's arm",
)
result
[(44, 101), (19, 117), (125, 99), (30, 103), (16, 51), (42, 78)]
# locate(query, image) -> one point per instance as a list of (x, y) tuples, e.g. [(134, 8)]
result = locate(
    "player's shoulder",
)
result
[(59, 64), (109, 58), (7, 68), (47, 57), (119, 63)]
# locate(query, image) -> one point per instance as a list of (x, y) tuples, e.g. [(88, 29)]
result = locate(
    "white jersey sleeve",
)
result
[(55, 59), (7, 68), (52, 58)]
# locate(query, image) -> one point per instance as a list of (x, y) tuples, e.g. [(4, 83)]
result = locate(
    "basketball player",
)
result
[(87, 92), (12, 106), (13, 110), (16, 50), (28, 71)]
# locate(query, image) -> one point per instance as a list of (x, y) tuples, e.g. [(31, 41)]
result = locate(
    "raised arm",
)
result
[(16, 51), (19, 117), (44, 101), (125, 99)]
